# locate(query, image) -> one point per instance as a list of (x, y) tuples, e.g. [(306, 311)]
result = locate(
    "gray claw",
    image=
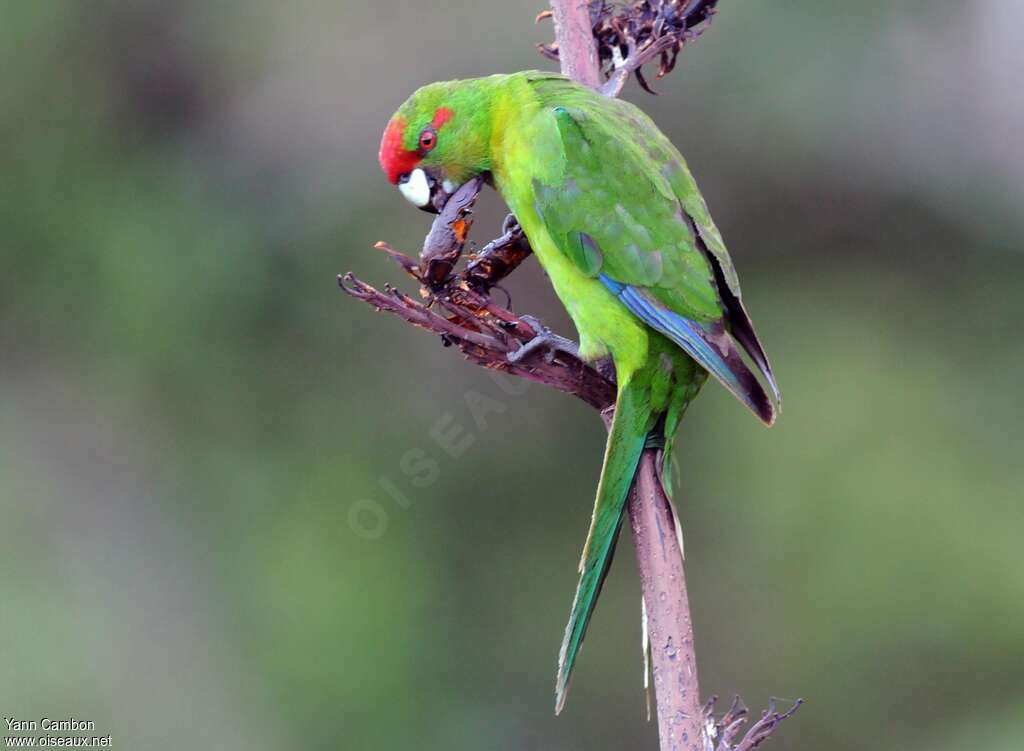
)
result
[(545, 341)]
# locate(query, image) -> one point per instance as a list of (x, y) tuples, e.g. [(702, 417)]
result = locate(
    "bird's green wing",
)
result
[(614, 213), (625, 209), (709, 239)]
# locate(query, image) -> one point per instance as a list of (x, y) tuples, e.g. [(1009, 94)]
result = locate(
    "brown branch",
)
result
[(482, 330), (498, 258), (577, 47), (669, 626)]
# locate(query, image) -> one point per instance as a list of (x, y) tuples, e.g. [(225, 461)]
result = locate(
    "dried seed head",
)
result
[(625, 30)]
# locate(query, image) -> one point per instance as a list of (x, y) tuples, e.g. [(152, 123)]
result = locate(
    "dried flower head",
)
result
[(631, 34)]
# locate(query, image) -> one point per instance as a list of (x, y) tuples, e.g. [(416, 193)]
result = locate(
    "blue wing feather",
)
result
[(708, 344)]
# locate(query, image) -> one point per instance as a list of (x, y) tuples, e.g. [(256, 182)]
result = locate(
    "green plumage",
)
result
[(616, 219)]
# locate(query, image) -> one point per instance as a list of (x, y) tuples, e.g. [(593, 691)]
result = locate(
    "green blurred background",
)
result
[(225, 523)]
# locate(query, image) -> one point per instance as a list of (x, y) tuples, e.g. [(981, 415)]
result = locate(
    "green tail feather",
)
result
[(626, 441)]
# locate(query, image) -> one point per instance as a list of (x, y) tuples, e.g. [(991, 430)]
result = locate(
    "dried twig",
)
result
[(724, 729), (482, 330)]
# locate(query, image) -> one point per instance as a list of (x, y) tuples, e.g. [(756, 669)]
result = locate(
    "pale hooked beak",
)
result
[(424, 191)]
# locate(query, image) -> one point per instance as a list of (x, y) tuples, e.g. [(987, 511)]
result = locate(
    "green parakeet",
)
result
[(616, 220)]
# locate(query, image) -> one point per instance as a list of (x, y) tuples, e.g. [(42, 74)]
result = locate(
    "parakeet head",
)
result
[(437, 141)]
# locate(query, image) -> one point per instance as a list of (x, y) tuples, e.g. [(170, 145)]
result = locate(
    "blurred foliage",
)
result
[(191, 414)]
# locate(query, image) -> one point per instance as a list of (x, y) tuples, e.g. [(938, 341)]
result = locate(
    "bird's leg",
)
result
[(545, 341)]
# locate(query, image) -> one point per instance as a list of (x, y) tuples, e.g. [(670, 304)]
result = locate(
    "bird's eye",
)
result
[(428, 139)]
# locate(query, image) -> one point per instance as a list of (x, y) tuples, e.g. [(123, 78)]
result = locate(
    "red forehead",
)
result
[(394, 158)]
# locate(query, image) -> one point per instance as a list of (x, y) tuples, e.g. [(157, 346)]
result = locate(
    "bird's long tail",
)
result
[(626, 439)]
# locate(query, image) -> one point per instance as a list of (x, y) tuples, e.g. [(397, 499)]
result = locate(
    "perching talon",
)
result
[(546, 341)]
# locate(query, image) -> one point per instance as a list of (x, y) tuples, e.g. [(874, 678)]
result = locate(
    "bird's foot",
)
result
[(510, 225), (545, 341)]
